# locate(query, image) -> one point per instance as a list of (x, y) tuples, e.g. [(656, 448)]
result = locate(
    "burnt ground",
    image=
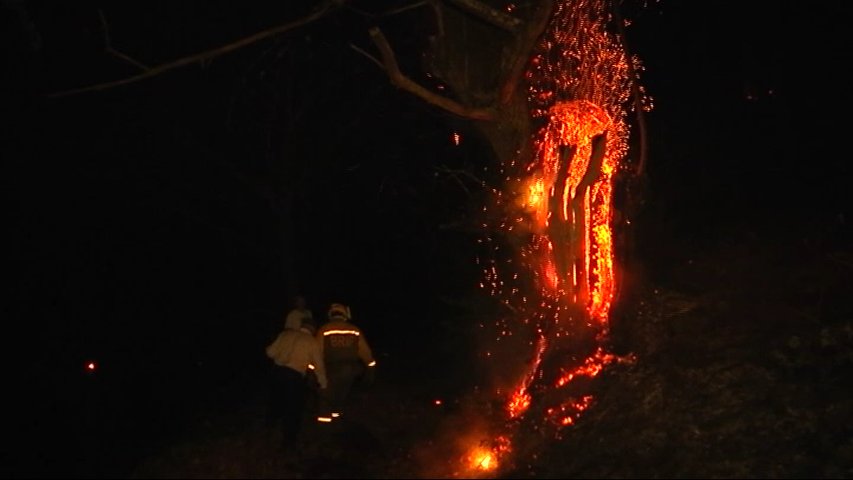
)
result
[(744, 366)]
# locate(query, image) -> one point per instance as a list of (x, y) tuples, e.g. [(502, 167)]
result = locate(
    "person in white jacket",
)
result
[(294, 351)]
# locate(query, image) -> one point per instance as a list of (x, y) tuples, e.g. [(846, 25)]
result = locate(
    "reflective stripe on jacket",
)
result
[(341, 341)]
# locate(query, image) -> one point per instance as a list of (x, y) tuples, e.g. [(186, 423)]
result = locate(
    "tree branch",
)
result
[(108, 46), (405, 83), (200, 57), (488, 14), (522, 55), (456, 173), (369, 56), (404, 8)]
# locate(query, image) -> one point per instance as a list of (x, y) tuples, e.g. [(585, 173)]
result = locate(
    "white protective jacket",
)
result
[(298, 350)]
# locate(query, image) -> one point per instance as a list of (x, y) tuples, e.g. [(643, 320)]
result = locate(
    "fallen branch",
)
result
[(403, 82), (199, 57)]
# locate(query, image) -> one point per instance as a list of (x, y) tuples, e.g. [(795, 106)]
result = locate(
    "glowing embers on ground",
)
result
[(591, 367), (520, 400), (567, 412), (486, 457)]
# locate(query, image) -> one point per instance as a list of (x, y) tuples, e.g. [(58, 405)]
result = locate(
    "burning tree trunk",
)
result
[(549, 86)]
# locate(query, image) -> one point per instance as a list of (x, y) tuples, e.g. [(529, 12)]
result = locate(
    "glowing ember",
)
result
[(592, 366), (566, 413), (487, 455), (484, 460), (519, 402)]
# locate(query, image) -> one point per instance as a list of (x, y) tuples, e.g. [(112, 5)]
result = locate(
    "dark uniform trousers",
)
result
[(289, 389)]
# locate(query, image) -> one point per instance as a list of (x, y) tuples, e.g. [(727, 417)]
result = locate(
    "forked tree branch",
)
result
[(525, 46), (403, 82), (200, 57), (108, 45)]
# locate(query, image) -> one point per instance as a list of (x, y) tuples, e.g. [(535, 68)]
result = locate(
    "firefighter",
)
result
[(294, 352), (347, 356)]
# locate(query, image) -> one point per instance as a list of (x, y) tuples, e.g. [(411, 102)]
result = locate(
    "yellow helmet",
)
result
[(339, 310)]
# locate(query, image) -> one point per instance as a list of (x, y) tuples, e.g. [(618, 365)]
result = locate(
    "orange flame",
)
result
[(486, 458)]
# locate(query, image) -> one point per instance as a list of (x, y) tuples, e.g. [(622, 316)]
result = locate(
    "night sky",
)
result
[(143, 236)]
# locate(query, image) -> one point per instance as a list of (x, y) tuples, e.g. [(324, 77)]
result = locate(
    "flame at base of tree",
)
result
[(554, 265)]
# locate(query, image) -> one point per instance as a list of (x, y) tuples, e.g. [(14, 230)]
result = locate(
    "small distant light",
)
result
[(91, 366), (438, 401), (457, 138)]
